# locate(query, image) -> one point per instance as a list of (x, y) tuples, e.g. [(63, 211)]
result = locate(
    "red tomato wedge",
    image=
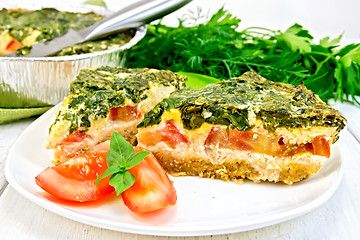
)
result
[(77, 136), (13, 45), (170, 134), (250, 140), (321, 146), (261, 142), (152, 189), (126, 113), (75, 179)]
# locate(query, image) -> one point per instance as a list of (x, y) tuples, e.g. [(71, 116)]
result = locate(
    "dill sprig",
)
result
[(218, 48)]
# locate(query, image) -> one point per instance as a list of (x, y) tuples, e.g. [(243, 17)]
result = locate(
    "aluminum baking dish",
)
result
[(41, 81)]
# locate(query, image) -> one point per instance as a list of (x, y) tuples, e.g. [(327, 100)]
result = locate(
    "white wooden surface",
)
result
[(338, 218)]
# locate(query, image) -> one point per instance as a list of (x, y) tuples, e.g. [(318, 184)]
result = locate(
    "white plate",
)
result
[(204, 206)]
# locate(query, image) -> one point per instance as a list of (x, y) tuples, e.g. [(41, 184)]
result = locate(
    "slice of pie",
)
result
[(105, 100), (245, 127)]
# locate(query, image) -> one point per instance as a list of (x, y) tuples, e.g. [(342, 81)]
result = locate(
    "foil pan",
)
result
[(42, 81)]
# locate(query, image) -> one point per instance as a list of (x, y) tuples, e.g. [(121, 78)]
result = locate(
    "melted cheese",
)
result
[(209, 162), (31, 39), (301, 135), (5, 39), (198, 136)]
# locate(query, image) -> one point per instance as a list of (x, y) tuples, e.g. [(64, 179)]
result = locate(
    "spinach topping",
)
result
[(231, 102), (95, 91), (52, 23)]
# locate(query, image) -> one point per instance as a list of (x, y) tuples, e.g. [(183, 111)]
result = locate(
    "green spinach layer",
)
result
[(95, 91), (233, 102)]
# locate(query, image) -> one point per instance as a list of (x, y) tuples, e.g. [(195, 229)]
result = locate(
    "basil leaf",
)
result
[(111, 170), (121, 156), (137, 158), (121, 150), (122, 181)]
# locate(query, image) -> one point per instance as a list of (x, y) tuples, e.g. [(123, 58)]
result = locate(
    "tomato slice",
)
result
[(234, 140), (321, 146), (75, 179), (126, 113), (170, 134), (13, 45), (261, 142), (152, 189), (254, 141), (77, 136)]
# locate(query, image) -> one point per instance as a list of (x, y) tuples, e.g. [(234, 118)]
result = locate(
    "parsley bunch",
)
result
[(219, 49)]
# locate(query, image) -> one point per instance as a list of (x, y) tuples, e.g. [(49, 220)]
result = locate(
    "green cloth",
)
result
[(16, 105), (100, 3), (12, 114)]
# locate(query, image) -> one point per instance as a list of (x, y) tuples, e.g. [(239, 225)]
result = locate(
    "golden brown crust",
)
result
[(287, 170)]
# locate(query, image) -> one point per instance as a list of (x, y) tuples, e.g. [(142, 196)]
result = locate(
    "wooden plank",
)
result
[(8, 135)]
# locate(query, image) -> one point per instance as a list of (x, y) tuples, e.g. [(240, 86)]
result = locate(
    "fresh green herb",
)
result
[(120, 158), (218, 48)]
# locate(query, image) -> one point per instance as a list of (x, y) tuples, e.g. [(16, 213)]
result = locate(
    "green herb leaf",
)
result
[(339, 76), (120, 158), (137, 158), (120, 151), (352, 55), (122, 181), (223, 17), (109, 171), (326, 43), (219, 48), (296, 39)]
